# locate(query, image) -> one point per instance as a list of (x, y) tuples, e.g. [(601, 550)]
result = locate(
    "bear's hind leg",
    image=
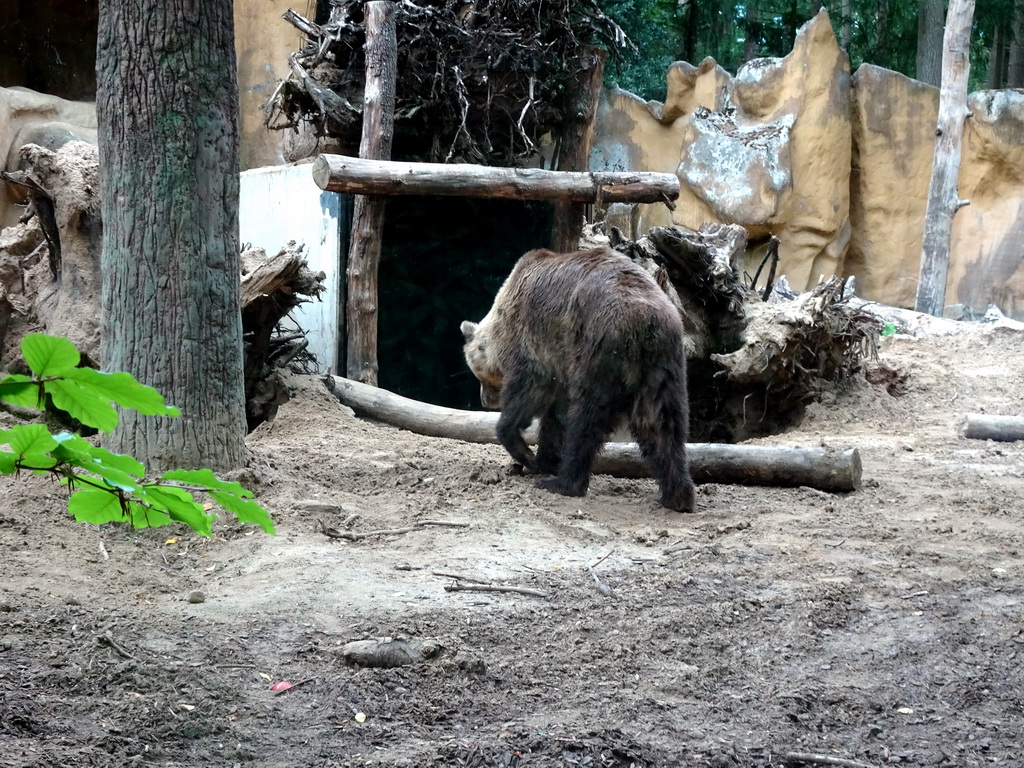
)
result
[(659, 426)]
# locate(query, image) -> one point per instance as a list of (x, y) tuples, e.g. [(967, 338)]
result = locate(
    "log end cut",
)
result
[(321, 172)]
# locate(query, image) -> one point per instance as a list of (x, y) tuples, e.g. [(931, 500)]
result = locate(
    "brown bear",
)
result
[(584, 340)]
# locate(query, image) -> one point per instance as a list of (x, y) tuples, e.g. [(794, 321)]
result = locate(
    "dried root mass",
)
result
[(478, 82)]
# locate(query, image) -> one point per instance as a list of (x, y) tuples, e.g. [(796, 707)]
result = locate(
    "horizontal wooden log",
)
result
[(835, 471), (1006, 429), (352, 175)]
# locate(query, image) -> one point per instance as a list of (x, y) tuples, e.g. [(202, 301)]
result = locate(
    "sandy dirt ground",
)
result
[(882, 626)]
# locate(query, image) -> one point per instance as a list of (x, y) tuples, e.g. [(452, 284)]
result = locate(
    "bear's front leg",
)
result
[(549, 441), (521, 400), (589, 420)]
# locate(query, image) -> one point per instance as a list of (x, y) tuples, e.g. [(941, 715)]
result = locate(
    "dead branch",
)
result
[(601, 587), (460, 577), (807, 757), (457, 587), (334, 533), (108, 640)]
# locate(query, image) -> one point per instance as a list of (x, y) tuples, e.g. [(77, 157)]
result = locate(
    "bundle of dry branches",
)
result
[(478, 82)]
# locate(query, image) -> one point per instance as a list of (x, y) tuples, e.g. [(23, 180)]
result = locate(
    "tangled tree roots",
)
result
[(477, 82), (757, 358)]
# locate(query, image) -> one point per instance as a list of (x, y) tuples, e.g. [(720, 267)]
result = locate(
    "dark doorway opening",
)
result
[(50, 46), (442, 261)]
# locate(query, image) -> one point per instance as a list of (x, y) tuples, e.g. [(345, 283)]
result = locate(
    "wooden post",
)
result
[(576, 142), (943, 202), (368, 216)]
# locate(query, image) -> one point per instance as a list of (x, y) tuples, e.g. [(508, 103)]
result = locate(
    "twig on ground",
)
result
[(106, 639), (457, 587), (354, 536), (920, 593), (610, 553), (461, 577), (103, 551), (807, 757), (603, 588)]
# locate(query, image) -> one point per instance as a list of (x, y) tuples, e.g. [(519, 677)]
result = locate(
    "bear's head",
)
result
[(483, 363)]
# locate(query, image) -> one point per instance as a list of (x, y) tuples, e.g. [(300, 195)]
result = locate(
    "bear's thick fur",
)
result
[(584, 340)]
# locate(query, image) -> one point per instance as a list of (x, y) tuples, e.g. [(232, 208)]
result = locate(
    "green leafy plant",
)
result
[(106, 486)]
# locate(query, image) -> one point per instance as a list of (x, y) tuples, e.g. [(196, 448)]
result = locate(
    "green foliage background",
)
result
[(669, 30)]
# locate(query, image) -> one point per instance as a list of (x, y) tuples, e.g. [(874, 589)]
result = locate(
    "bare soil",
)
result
[(883, 626)]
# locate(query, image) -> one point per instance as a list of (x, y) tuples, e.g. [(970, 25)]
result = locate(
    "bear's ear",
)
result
[(469, 329)]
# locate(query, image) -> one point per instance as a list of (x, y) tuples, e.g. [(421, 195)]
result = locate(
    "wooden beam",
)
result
[(352, 175), (368, 214), (943, 201), (835, 471)]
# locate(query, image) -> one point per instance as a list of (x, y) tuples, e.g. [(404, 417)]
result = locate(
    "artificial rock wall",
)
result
[(836, 167)]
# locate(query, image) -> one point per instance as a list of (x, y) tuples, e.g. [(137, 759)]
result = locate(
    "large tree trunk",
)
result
[(930, 20), (1015, 56), (846, 25), (167, 105), (943, 202), (752, 30), (883, 53), (997, 59)]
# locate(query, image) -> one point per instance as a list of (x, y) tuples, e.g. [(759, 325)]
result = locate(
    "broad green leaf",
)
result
[(112, 476), (49, 355), (83, 404), (124, 390), (246, 510), (142, 517), (179, 506), (90, 505), (21, 390), (8, 463), (165, 496), (206, 479), (28, 439), (72, 449), (128, 464)]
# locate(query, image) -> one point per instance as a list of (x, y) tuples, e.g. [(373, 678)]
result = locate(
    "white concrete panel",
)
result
[(282, 203)]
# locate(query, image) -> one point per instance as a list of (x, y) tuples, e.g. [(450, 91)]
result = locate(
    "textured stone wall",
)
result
[(836, 167)]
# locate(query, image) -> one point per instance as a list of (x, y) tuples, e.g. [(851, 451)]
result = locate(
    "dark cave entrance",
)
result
[(442, 261)]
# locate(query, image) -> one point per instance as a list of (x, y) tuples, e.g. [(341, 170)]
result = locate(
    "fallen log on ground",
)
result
[(836, 471), (1006, 429)]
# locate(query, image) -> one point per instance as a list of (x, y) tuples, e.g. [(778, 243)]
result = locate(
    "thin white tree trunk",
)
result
[(942, 193)]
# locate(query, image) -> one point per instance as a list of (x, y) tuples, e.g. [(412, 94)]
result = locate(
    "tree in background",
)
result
[(931, 21), (902, 36), (167, 105)]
